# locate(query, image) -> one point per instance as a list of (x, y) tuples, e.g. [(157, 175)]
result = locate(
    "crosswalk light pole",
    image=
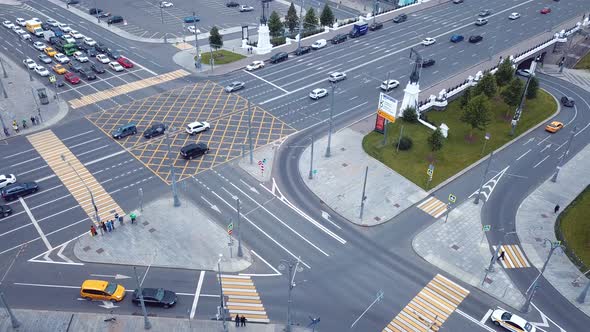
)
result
[(222, 310), (582, 297), (331, 122), (300, 24), (198, 61), (363, 198), (240, 253), (250, 134), (96, 216), (172, 174), (146, 322), (535, 285), (483, 179), (567, 151), (311, 161), (3, 69), (13, 320)]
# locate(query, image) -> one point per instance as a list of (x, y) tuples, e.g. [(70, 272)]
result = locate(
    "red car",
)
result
[(546, 10), (125, 62), (72, 78)]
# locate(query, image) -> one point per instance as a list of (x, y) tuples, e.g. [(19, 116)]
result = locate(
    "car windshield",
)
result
[(111, 288), (506, 316)]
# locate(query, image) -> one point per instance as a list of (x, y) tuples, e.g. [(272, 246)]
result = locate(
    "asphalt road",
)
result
[(339, 279)]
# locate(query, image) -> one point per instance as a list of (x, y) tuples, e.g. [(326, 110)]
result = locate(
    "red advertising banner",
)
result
[(380, 124)]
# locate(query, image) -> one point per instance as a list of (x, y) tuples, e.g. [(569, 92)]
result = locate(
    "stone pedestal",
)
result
[(411, 93), (245, 43), (264, 46)]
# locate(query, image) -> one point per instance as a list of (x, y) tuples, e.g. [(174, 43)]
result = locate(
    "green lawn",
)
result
[(584, 62), (458, 151), (221, 57), (574, 225)]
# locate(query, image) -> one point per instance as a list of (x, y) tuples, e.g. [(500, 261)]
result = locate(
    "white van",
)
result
[(320, 43)]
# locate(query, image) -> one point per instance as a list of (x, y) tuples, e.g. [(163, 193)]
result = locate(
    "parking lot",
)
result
[(227, 114)]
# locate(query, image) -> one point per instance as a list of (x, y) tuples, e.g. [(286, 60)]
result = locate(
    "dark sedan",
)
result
[(102, 48), (232, 4), (87, 74), (97, 68), (155, 296), (16, 190), (475, 39), (5, 211), (400, 18), (302, 50), (154, 130), (428, 63)]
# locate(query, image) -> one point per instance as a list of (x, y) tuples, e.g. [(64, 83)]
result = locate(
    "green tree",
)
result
[(327, 17), (275, 25), (465, 97), (533, 88), (410, 115), (477, 113), (511, 95), (505, 72), (486, 85), (436, 140), (291, 20), (215, 38), (310, 21)]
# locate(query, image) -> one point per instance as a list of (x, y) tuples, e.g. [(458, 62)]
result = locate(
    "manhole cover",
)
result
[(151, 230), (342, 149), (377, 219), (456, 247), (543, 215), (86, 248), (344, 164), (538, 239), (99, 250), (145, 223), (396, 205), (488, 280)]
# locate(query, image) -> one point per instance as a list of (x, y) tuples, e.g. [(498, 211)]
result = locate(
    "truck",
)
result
[(34, 27), (69, 49), (47, 35), (358, 29)]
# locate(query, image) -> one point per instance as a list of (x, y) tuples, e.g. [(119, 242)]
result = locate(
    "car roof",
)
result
[(94, 284), (318, 90), (518, 320), (196, 123)]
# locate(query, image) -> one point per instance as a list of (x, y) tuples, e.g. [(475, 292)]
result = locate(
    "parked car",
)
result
[(191, 19), (29, 63), (6, 179), (44, 58), (232, 4), (39, 46), (115, 54), (546, 10), (87, 74), (89, 41), (523, 72), (193, 150), (302, 50), (485, 12), (50, 51), (125, 62), (339, 38), (336, 77), (8, 24), (567, 101), (61, 58), (94, 11), (80, 56), (235, 86), (376, 26), (41, 71), (245, 8), (510, 321), (115, 19), (116, 66), (400, 18), (514, 16), (316, 94), (52, 22), (197, 127), (102, 58), (102, 291), (91, 52), (124, 131), (59, 69), (481, 21), (100, 47), (154, 130), (155, 296), (75, 67), (166, 4), (457, 1), (97, 68), (278, 57), (428, 41), (16, 190), (320, 43), (76, 34), (475, 39)]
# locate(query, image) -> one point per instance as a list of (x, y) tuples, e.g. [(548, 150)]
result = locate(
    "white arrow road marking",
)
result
[(61, 255), (116, 276), (490, 185), (326, 216), (546, 147), (212, 206), (108, 305), (252, 189), (545, 320), (34, 222)]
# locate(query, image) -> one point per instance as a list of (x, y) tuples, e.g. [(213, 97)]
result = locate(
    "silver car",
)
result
[(337, 77), (234, 86)]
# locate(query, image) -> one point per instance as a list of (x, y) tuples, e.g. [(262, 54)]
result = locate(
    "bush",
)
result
[(278, 41), (405, 143), (410, 115)]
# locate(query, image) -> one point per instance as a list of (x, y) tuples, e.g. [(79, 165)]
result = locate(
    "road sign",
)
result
[(387, 107), (486, 228), (52, 79), (452, 198), (230, 228), (430, 170)]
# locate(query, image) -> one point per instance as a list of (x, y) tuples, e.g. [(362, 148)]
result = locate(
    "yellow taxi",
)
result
[(59, 69), (554, 127), (102, 290), (50, 51)]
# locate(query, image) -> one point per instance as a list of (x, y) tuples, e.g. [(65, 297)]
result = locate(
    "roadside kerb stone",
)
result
[(460, 248), (165, 236), (535, 221), (338, 181)]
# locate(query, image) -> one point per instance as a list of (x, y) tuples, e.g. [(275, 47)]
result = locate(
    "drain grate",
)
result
[(145, 223), (377, 219), (396, 205), (488, 280), (86, 248), (99, 250), (456, 247), (344, 164), (151, 230)]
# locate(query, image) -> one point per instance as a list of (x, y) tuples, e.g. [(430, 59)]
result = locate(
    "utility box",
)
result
[(42, 93)]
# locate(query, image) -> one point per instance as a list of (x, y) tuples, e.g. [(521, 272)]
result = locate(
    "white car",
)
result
[(320, 43), (89, 41), (510, 321), (166, 4), (192, 30), (21, 21), (116, 66), (428, 41), (102, 58), (255, 65), (76, 34), (336, 77), (388, 85), (197, 127), (52, 22), (81, 57), (514, 16), (64, 27), (244, 8), (316, 94), (39, 45), (41, 71), (61, 58), (24, 36), (524, 72), (36, 19), (8, 24), (68, 39), (29, 63), (6, 179)]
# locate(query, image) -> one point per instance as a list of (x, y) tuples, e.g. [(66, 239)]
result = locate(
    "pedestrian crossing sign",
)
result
[(486, 228), (52, 79)]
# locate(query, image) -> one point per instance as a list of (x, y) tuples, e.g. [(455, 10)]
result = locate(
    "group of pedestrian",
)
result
[(250, 50), (240, 321), (34, 121), (109, 225)]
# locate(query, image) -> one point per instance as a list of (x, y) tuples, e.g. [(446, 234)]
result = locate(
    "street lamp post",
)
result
[(240, 253), (222, 309), (567, 151), (311, 160), (15, 323), (293, 269), (22, 44), (250, 134), (485, 174), (3, 69), (364, 197), (172, 174), (146, 323), (198, 61), (331, 122), (300, 24), (533, 288), (96, 12)]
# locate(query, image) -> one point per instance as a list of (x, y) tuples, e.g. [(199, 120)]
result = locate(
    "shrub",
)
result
[(278, 41), (405, 143), (410, 115)]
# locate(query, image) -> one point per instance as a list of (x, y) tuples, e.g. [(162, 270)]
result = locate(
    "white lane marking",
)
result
[(483, 326), (277, 273), (545, 319), (544, 139), (46, 285), (144, 68), (36, 169), (197, 294), (62, 256), (548, 146), (39, 230), (26, 161), (486, 316), (266, 81), (524, 154), (16, 154), (539, 163)]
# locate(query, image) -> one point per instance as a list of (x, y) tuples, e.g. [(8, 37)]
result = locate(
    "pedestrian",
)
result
[(110, 225), (37, 119), (104, 226), (15, 127), (501, 256), (556, 209), (243, 320), (33, 120), (237, 320), (14, 123), (121, 220), (113, 224), (116, 216), (132, 216), (24, 123), (92, 230)]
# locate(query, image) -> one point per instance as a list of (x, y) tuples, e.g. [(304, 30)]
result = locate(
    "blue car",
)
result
[(191, 19), (456, 38)]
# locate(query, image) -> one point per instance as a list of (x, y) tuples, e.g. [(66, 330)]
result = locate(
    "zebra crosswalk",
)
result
[(242, 298), (428, 310), (433, 206), (513, 257)]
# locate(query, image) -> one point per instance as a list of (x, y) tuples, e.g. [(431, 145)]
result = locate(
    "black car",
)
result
[(376, 26), (567, 101), (475, 39), (194, 150), (87, 74), (339, 38), (302, 50), (232, 4), (81, 46), (94, 11), (5, 211), (278, 57), (73, 2), (400, 18), (17, 190), (428, 63), (75, 67), (97, 68), (90, 52), (124, 131), (485, 12), (46, 27), (154, 130), (104, 15), (115, 19), (113, 53), (101, 48), (155, 296)]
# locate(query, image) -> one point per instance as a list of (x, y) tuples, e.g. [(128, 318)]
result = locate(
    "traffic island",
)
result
[(462, 148), (164, 236)]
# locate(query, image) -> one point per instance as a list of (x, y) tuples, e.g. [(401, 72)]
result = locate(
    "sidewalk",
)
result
[(23, 102), (60, 321), (177, 237), (535, 221), (578, 77)]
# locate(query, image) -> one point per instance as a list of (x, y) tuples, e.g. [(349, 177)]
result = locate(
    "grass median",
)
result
[(459, 150), (584, 63), (221, 57), (573, 227)]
